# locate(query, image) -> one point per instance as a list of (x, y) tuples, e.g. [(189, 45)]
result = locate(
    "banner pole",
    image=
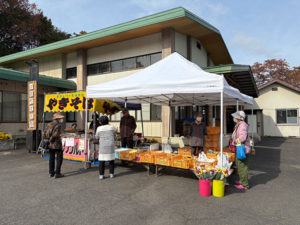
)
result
[(87, 149)]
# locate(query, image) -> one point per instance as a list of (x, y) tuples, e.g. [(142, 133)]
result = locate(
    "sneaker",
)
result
[(112, 176), (51, 175), (101, 177), (241, 187), (237, 182), (59, 175)]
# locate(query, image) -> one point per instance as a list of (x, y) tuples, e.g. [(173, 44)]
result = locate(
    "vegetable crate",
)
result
[(213, 144), (185, 151), (182, 162), (129, 155), (212, 156), (213, 130), (206, 165), (212, 138), (147, 156), (164, 159)]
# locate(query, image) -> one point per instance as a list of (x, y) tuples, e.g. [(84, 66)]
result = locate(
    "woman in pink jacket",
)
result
[(241, 133)]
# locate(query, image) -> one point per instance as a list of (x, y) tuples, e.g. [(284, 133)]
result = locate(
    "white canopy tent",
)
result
[(172, 81)]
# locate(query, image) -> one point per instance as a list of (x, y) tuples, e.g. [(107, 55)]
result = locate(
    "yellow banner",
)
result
[(76, 101)]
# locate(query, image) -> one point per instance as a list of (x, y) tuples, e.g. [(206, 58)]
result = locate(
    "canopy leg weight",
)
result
[(87, 165)]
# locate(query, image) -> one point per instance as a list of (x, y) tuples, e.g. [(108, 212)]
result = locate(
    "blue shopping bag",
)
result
[(240, 150)]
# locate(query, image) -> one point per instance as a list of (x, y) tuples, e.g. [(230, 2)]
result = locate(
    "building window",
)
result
[(287, 116), (129, 64), (92, 69), (104, 67), (155, 57), (71, 72), (123, 64), (11, 107), (142, 61), (23, 107), (116, 66), (155, 112), (198, 45), (275, 89)]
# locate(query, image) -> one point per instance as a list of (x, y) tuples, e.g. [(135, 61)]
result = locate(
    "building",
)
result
[(277, 110), (13, 98), (121, 50)]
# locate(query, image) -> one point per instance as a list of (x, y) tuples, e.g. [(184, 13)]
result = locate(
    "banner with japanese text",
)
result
[(76, 101)]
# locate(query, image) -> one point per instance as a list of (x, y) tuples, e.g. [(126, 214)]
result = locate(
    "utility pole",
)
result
[(32, 103)]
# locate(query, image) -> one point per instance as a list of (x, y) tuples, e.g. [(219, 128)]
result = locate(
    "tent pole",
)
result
[(237, 105), (252, 127), (87, 149), (221, 128), (215, 117), (169, 122), (142, 122)]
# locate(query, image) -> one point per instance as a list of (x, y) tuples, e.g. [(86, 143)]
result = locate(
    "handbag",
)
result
[(240, 150), (231, 145)]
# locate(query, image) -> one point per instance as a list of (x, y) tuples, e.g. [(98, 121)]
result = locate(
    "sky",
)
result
[(253, 30)]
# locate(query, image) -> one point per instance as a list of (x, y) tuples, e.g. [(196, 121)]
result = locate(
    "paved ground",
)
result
[(28, 196)]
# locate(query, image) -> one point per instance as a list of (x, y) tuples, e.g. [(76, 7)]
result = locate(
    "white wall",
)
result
[(269, 101), (125, 49), (198, 56), (101, 78), (50, 65), (181, 44), (71, 60)]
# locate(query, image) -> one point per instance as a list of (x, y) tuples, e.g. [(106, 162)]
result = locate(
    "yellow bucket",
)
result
[(218, 188)]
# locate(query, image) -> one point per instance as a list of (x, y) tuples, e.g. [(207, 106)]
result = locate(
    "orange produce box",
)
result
[(185, 151), (213, 130), (212, 137)]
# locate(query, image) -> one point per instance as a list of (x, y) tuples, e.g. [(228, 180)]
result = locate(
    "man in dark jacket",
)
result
[(127, 128), (53, 134)]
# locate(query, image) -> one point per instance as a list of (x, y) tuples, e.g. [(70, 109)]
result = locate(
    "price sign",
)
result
[(32, 105)]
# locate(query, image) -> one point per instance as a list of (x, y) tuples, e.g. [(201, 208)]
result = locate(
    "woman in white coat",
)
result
[(105, 138)]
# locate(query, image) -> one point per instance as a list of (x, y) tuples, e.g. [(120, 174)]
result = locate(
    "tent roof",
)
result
[(173, 80)]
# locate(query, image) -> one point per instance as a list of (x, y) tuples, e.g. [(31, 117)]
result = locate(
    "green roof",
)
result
[(8, 74), (138, 23), (228, 68), (242, 75)]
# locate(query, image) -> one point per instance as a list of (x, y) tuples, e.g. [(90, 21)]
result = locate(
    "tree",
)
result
[(80, 33), (49, 33), (23, 26), (275, 69)]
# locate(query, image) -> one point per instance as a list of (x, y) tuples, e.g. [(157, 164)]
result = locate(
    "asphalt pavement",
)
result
[(29, 196)]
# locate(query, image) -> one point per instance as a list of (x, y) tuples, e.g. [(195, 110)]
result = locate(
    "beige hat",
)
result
[(58, 116), (240, 115)]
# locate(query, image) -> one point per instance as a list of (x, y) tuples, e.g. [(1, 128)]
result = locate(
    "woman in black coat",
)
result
[(197, 134)]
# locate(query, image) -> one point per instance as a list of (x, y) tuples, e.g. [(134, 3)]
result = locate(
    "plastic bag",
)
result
[(167, 148), (240, 150)]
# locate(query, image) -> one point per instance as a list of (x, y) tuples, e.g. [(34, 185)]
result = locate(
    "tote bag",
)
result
[(240, 150)]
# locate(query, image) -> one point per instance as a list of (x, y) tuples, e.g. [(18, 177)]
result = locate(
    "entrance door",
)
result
[(229, 120)]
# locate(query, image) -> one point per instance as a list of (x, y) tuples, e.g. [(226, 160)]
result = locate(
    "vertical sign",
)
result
[(32, 105)]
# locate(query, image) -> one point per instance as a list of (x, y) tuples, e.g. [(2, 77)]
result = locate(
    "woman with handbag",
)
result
[(241, 140)]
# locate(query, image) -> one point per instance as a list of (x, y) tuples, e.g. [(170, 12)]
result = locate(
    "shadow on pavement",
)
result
[(265, 165)]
